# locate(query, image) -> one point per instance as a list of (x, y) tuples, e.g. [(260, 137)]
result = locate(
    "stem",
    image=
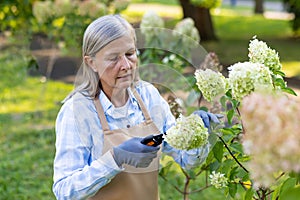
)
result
[(280, 176), (186, 185), (233, 155), (186, 189), (200, 189), (200, 99)]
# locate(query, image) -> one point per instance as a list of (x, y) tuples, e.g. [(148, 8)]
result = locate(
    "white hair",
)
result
[(97, 35)]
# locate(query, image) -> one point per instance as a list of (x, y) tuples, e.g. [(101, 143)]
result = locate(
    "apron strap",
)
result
[(142, 106), (101, 115)]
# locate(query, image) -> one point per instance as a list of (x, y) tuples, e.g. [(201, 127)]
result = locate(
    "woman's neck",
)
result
[(118, 97)]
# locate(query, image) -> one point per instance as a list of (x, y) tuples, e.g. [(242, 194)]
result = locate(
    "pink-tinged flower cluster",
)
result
[(271, 138)]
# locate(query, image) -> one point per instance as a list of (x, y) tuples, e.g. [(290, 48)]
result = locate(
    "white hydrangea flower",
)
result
[(210, 83), (187, 31), (247, 77), (259, 52), (218, 180), (188, 133), (272, 136), (149, 24)]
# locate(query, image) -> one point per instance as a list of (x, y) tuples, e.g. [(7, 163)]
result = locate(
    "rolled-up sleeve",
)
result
[(187, 159)]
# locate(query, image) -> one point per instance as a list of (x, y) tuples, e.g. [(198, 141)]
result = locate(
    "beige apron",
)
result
[(133, 183)]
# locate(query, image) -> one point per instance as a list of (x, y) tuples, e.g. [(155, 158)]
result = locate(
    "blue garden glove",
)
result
[(207, 117), (133, 152)]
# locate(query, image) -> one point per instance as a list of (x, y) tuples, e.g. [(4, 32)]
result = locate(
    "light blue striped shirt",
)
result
[(80, 168)]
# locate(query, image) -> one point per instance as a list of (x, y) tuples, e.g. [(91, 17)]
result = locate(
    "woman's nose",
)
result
[(124, 62)]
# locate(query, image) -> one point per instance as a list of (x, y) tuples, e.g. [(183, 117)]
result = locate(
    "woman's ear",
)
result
[(90, 62)]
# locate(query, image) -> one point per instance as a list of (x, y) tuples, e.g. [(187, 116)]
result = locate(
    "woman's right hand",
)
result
[(134, 153)]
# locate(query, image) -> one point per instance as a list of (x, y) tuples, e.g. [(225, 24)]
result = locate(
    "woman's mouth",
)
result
[(124, 76)]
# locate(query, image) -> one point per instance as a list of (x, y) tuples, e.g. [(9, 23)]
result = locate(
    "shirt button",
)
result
[(128, 126)]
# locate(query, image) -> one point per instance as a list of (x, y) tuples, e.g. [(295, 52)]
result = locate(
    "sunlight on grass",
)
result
[(229, 12), (27, 137), (33, 95), (291, 68), (162, 10)]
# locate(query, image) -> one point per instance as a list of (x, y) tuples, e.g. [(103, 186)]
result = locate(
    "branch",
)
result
[(200, 189), (233, 155), (176, 188)]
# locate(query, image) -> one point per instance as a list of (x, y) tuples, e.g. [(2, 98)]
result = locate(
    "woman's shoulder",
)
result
[(144, 87), (78, 101)]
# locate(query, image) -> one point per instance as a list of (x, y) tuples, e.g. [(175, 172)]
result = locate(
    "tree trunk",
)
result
[(202, 18), (259, 7)]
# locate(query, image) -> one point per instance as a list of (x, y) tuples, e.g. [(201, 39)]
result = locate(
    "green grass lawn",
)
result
[(27, 116)]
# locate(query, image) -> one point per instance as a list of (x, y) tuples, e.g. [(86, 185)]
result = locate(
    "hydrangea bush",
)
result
[(254, 151), (261, 128)]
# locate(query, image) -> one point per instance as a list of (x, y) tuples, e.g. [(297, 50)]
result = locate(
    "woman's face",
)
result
[(116, 64)]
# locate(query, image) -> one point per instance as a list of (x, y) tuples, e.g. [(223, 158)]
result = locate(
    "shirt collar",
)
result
[(108, 106)]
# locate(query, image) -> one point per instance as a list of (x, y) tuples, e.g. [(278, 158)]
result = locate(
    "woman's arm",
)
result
[(78, 173), (187, 159)]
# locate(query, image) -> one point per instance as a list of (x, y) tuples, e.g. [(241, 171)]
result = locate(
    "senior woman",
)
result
[(99, 154)]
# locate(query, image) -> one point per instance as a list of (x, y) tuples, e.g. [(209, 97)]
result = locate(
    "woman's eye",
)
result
[(113, 58), (129, 54)]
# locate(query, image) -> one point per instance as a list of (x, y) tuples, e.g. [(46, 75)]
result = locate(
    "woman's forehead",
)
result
[(119, 45)]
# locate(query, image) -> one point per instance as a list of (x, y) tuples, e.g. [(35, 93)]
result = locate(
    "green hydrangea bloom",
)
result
[(247, 77), (188, 32), (210, 83), (259, 52), (188, 133)]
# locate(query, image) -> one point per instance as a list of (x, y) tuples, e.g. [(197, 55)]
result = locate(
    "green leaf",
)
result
[(226, 165), (280, 82), (210, 158), (237, 147), (218, 151), (203, 108), (223, 101), (232, 189), (287, 185), (233, 172), (249, 194), (227, 131), (235, 103), (214, 166), (230, 114), (290, 194), (276, 192), (164, 171), (228, 94), (289, 91), (278, 72)]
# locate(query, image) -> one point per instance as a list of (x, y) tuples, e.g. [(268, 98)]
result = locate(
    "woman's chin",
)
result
[(124, 84)]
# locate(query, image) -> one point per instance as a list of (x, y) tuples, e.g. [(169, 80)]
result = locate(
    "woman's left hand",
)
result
[(207, 117)]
